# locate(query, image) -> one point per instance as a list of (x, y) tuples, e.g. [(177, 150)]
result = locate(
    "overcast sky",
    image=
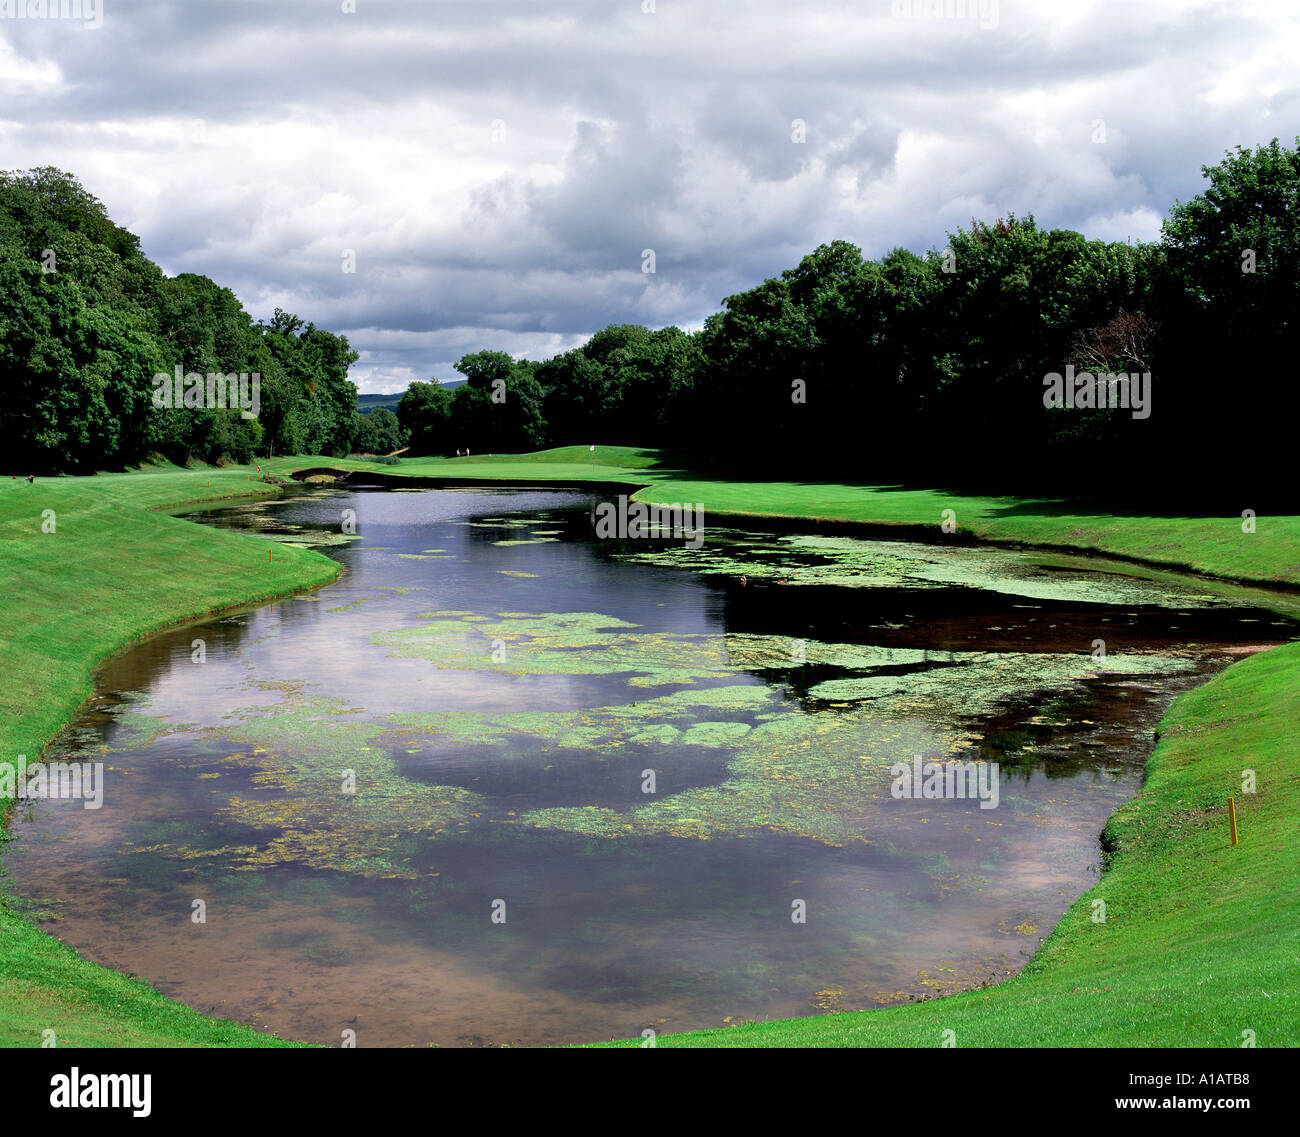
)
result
[(498, 168)]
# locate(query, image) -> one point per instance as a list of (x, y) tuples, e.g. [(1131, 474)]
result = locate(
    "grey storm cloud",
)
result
[(496, 169)]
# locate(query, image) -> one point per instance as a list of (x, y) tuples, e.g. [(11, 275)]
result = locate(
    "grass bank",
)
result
[(1195, 945)]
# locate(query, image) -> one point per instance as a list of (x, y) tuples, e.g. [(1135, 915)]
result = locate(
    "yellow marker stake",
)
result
[(1234, 824), (1232, 818)]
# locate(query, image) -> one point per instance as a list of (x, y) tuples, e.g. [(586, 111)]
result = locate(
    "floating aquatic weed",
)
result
[(997, 570), (810, 559), (299, 752), (715, 733), (751, 652), (307, 539), (133, 730), (665, 719), (569, 643), (814, 776), (974, 684), (391, 590)]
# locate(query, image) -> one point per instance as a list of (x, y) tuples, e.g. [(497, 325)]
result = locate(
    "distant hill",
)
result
[(368, 403)]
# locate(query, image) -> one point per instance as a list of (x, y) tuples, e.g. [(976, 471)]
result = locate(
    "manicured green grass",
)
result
[(1197, 945)]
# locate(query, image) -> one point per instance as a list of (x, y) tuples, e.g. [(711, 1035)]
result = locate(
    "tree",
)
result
[(377, 432), (424, 413), (1229, 306), (316, 400), (499, 408)]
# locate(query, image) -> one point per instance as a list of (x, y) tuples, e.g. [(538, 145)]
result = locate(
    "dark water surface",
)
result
[(355, 781)]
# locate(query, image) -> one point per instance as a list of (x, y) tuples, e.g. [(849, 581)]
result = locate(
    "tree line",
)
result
[(939, 368), (87, 321), (932, 368)]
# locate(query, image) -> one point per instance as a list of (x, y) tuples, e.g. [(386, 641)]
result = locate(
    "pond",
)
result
[(506, 783)]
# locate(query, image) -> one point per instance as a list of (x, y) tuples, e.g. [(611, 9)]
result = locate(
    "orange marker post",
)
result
[(1232, 818)]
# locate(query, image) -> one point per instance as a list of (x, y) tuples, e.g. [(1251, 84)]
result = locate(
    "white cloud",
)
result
[(498, 168)]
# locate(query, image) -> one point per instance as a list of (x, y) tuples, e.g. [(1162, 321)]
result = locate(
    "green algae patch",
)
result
[(134, 731), (389, 590), (751, 652), (853, 562), (305, 538), (975, 684), (753, 698), (716, 733), (570, 643), (667, 719), (814, 776), (814, 773), (370, 822)]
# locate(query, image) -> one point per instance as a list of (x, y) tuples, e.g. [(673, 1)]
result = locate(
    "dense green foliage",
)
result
[(377, 432), (87, 321), (933, 368), (908, 368)]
